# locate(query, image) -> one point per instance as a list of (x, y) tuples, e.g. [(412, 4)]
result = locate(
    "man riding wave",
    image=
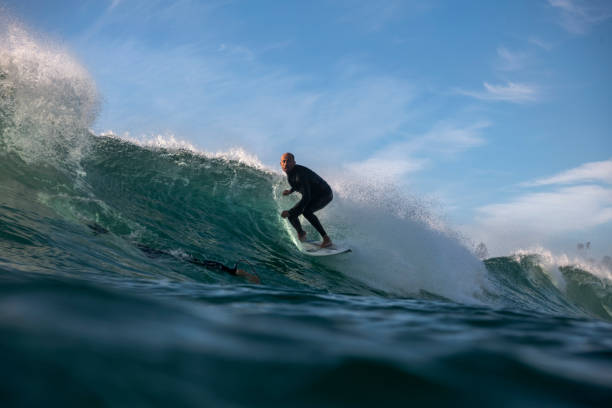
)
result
[(316, 194)]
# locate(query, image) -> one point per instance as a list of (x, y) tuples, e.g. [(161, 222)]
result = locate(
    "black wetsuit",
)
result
[(316, 194), (155, 253), (213, 265)]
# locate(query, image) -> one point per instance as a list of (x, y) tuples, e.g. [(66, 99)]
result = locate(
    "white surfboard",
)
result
[(313, 248)]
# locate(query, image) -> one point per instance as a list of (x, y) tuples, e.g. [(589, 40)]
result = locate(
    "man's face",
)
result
[(287, 163)]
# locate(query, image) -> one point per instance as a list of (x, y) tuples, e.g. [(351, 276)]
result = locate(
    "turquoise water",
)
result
[(99, 305)]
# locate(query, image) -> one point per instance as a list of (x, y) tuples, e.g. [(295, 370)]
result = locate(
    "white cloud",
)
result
[(534, 218), (114, 3), (510, 92), (567, 209), (375, 16), (386, 169), (589, 172), (121, 16), (449, 139), (510, 60), (578, 16), (412, 154), (541, 43), (237, 51), (566, 5)]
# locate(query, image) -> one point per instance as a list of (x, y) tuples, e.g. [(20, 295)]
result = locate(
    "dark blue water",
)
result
[(191, 344)]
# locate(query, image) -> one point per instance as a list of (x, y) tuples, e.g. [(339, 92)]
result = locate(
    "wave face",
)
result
[(142, 212), (100, 302)]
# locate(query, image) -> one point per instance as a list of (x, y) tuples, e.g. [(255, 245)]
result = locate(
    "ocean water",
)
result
[(101, 306)]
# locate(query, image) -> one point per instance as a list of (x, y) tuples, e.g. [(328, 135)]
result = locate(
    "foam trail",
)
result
[(398, 247)]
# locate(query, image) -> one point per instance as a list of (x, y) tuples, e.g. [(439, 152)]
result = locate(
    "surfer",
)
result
[(213, 265), (316, 194), (235, 271)]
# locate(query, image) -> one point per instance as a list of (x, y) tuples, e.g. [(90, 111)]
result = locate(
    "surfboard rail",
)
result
[(313, 248)]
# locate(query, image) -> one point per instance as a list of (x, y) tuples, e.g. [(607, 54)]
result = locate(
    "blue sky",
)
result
[(499, 111)]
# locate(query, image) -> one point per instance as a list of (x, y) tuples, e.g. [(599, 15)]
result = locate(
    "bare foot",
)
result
[(248, 276), (327, 242), (302, 236)]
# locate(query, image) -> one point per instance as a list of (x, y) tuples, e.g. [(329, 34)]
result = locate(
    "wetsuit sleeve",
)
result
[(306, 196), (213, 265)]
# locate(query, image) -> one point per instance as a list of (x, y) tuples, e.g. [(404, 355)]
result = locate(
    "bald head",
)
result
[(287, 162)]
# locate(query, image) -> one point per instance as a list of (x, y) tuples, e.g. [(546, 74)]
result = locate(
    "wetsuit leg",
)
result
[(315, 205), (296, 224)]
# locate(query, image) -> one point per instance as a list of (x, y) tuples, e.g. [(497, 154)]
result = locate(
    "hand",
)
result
[(285, 214), (286, 192), (248, 276)]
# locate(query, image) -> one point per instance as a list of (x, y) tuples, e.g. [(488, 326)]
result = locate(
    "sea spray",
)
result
[(170, 142), (48, 99), (400, 246)]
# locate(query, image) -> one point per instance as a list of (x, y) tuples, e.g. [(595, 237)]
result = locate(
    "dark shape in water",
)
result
[(97, 228), (211, 265)]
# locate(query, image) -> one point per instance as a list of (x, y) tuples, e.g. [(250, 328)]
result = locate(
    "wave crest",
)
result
[(48, 100)]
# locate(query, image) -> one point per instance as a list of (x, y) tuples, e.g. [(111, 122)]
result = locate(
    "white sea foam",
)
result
[(398, 246), (551, 263), (591, 292), (48, 99), (171, 142)]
